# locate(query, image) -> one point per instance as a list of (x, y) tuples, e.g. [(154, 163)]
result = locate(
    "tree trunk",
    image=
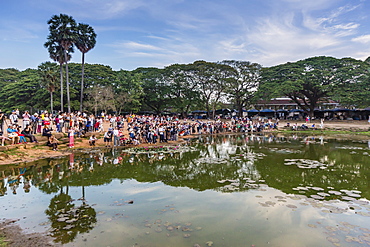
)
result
[(82, 80), (61, 87), (96, 107), (67, 83), (240, 111), (51, 102)]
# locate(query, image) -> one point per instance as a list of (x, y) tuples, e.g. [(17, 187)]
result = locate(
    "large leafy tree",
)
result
[(96, 75), (23, 92), (353, 92), (63, 31), (129, 91), (243, 83), (182, 85), (211, 82), (48, 75), (156, 89), (309, 81), (85, 41), (100, 98)]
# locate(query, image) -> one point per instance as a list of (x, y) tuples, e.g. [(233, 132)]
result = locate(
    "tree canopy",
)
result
[(182, 88), (309, 81)]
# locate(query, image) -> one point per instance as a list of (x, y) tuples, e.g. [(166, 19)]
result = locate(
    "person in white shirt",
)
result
[(26, 119), (13, 118), (92, 140), (116, 136)]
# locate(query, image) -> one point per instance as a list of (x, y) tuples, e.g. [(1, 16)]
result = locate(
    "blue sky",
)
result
[(158, 33)]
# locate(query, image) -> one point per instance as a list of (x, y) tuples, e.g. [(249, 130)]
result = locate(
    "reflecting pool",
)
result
[(232, 190)]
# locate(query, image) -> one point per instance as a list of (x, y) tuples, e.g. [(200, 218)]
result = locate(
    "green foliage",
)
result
[(183, 94), (309, 81), (156, 89), (182, 88), (20, 92), (210, 80), (242, 85), (2, 241), (129, 91)]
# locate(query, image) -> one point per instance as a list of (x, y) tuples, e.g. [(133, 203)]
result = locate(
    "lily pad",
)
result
[(158, 229), (209, 243)]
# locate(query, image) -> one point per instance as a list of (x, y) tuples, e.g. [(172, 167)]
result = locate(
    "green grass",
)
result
[(2, 243), (326, 132), (13, 152)]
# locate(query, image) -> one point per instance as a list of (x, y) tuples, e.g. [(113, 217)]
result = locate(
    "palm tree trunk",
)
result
[(82, 80), (67, 82), (83, 192), (61, 87), (51, 102)]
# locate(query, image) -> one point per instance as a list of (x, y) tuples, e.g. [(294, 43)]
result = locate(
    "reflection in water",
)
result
[(67, 219), (328, 174)]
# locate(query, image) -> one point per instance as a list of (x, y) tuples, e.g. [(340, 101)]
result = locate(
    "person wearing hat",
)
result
[(13, 118), (34, 121)]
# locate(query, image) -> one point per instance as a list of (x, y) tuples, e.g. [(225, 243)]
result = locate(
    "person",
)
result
[(34, 120), (71, 133), (46, 119), (27, 132), (2, 119), (108, 137), (92, 140), (12, 134), (161, 134), (116, 136), (61, 122), (13, 118), (26, 119), (53, 142), (321, 123), (66, 121), (46, 131), (22, 139), (57, 123), (96, 125), (39, 124), (3, 138)]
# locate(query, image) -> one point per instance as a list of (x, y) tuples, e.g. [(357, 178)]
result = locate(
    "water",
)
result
[(225, 191)]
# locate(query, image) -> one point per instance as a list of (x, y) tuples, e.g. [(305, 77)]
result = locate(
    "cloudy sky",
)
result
[(157, 33)]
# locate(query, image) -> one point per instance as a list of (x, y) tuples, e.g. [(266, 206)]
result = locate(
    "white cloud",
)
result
[(364, 39), (137, 46), (93, 9), (347, 26)]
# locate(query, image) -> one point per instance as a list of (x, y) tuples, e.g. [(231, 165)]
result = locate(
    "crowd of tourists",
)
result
[(159, 129), (149, 129)]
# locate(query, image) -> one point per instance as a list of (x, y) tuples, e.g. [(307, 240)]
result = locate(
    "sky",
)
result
[(158, 33)]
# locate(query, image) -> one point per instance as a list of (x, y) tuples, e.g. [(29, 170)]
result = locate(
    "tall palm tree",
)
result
[(48, 73), (56, 53), (62, 30), (86, 40)]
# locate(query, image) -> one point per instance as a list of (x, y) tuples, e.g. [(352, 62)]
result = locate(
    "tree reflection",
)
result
[(234, 158), (67, 219)]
